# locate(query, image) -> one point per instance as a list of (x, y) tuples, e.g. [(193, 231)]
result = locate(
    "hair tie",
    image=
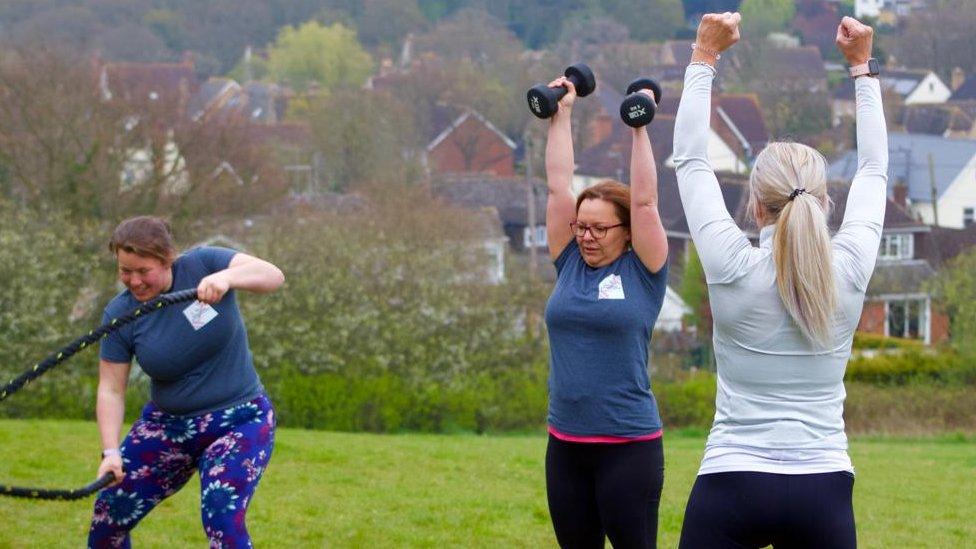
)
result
[(796, 193)]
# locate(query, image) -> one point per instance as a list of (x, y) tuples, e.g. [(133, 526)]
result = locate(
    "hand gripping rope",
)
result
[(60, 356)]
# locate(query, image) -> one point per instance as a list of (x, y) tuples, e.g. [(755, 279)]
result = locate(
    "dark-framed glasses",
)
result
[(598, 231)]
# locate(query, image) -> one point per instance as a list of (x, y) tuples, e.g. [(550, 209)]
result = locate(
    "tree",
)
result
[(761, 17), (939, 38), (364, 138), (327, 57), (648, 19), (66, 150), (955, 287)]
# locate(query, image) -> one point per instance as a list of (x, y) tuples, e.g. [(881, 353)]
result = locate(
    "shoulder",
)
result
[(214, 258), (122, 302), (654, 280), (568, 256)]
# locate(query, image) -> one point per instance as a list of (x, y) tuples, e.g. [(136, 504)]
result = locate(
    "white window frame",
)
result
[(896, 246), (537, 238), (968, 216), (923, 304)]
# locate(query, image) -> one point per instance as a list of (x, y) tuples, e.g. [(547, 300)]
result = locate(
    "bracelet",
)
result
[(715, 54), (704, 64), (111, 452)]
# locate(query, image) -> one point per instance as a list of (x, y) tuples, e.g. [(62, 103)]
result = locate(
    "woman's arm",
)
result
[(245, 272), (721, 245), (110, 411), (856, 242), (646, 230), (560, 164)]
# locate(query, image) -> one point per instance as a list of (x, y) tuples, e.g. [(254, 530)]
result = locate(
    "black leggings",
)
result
[(747, 509), (604, 489)]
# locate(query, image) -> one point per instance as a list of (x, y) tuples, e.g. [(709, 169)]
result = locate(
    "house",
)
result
[(461, 140), (898, 302), (963, 92), (796, 69), (254, 102), (927, 166), (152, 82), (509, 196), (943, 120), (816, 23), (887, 11), (909, 87), (738, 132)]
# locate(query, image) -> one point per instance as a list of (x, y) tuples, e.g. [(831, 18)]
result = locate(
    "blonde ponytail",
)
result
[(789, 183)]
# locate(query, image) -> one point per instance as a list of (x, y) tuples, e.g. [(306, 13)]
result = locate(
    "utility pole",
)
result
[(932, 186), (935, 209)]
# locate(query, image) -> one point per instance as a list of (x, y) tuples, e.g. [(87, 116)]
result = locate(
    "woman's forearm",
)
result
[(560, 161), (253, 274), (643, 172), (110, 412)]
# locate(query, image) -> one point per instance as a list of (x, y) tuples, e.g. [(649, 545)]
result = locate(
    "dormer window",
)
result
[(897, 246)]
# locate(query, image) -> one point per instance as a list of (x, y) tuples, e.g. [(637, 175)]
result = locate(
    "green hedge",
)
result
[(912, 365), (874, 341)]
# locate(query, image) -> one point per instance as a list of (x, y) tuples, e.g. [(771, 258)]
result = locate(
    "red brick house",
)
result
[(463, 141)]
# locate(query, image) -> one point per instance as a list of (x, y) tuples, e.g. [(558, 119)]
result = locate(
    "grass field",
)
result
[(357, 490)]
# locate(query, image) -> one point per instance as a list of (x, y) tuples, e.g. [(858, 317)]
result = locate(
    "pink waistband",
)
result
[(604, 439)]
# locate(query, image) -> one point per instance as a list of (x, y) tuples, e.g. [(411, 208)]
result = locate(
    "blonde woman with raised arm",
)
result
[(776, 469)]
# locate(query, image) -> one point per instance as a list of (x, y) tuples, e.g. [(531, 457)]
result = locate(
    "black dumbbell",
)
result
[(544, 101), (638, 109)]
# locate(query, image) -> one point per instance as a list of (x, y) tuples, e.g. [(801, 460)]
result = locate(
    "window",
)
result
[(897, 246), (534, 236), (907, 318), (968, 216)]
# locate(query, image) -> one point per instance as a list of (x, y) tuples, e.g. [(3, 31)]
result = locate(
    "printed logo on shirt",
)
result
[(612, 287), (199, 314)]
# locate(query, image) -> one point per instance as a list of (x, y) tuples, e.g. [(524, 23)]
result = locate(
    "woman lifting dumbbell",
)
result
[(605, 459)]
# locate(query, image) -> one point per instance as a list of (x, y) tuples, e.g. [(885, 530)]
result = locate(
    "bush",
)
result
[(878, 342), (912, 365), (912, 409), (687, 403)]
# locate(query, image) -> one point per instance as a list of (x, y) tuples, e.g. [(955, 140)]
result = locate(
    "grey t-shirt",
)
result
[(600, 322), (196, 355)]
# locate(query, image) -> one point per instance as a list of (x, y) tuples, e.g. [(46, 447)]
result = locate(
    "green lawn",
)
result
[(356, 490)]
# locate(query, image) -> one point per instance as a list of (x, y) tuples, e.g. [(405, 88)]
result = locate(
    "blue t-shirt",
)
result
[(600, 322), (197, 361)]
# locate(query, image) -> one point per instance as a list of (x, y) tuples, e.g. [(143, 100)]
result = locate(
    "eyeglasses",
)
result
[(598, 232)]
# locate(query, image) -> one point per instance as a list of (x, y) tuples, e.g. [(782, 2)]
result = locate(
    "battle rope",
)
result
[(60, 356)]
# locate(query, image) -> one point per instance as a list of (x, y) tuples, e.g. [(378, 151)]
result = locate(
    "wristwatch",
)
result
[(871, 68)]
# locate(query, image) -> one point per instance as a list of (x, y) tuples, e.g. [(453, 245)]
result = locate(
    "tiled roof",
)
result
[(908, 155), (900, 277), (509, 196), (139, 80)]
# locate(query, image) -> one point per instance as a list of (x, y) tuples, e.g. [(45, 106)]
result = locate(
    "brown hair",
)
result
[(613, 192), (146, 236)]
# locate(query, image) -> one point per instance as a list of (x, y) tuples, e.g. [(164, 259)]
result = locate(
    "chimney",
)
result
[(958, 77), (900, 192)]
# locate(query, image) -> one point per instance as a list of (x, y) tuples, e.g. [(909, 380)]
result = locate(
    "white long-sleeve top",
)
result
[(780, 399)]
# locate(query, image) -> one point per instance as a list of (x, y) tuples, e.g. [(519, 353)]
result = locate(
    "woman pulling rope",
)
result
[(208, 411)]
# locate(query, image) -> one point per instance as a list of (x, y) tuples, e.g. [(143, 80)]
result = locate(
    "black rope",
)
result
[(65, 353), (93, 336), (59, 495)]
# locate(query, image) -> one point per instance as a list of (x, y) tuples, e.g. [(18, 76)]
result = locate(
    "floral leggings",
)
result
[(230, 448)]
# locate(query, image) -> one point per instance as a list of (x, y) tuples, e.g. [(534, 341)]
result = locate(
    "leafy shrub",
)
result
[(912, 365), (874, 341)]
